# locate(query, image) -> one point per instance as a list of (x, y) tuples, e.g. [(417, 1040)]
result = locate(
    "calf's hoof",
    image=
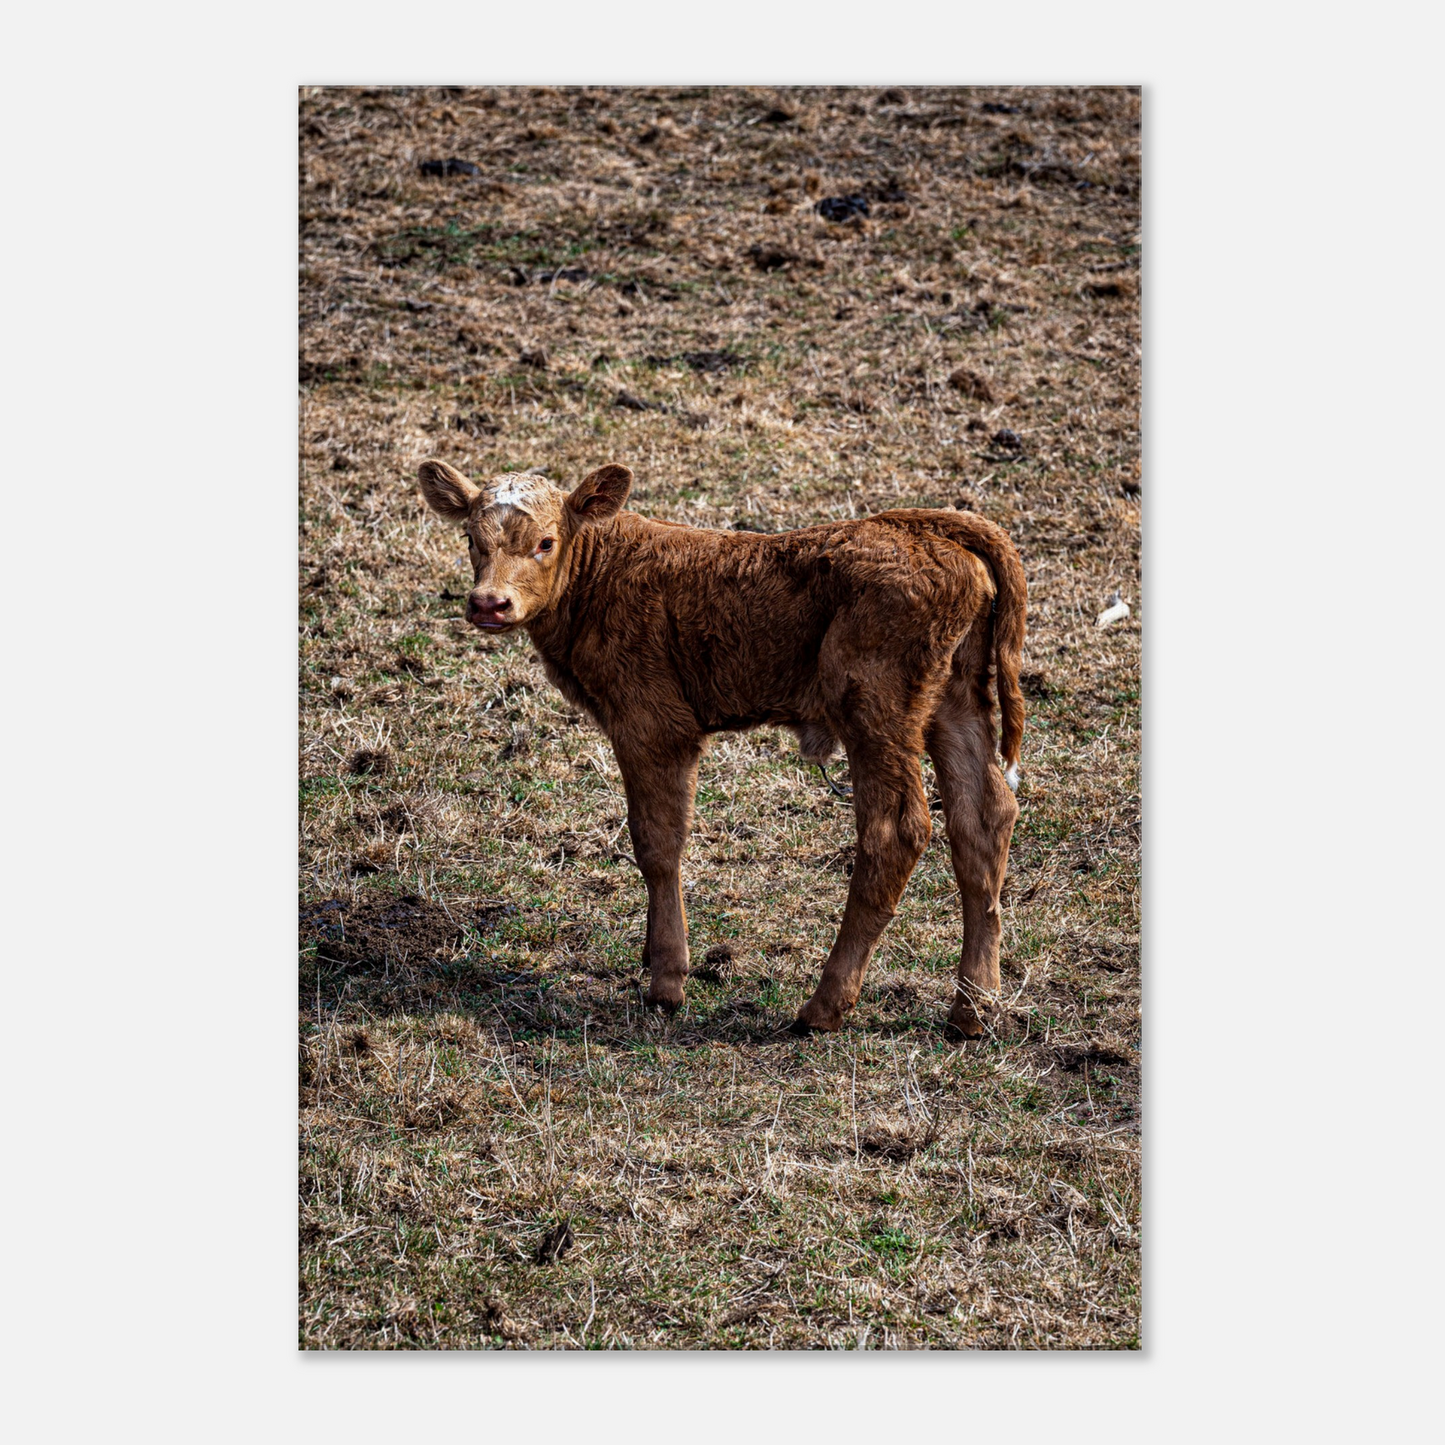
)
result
[(818, 1017), (665, 998), (964, 1023)]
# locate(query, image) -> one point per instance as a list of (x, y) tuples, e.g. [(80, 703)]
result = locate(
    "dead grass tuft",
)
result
[(900, 1142), (555, 1243), (1112, 287), (718, 964), (972, 384)]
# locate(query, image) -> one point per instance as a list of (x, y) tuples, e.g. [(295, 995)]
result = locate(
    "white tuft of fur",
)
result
[(1011, 777), (521, 490)]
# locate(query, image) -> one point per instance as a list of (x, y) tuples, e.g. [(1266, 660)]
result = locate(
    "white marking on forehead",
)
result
[(522, 490)]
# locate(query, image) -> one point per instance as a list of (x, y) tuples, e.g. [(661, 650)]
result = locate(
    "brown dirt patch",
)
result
[(397, 931)]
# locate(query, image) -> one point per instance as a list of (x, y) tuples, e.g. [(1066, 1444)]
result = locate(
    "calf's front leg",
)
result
[(660, 783)]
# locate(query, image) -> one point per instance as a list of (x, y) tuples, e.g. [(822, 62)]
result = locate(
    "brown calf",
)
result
[(877, 633)]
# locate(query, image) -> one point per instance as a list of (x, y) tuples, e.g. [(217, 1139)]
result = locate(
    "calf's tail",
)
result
[(1010, 615), (1010, 607)]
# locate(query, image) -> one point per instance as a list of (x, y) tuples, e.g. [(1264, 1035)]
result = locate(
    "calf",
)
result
[(876, 633)]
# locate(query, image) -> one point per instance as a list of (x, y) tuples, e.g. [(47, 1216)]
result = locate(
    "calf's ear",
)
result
[(447, 491), (600, 494)]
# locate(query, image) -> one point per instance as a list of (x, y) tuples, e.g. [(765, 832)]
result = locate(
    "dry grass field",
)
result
[(498, 1147)]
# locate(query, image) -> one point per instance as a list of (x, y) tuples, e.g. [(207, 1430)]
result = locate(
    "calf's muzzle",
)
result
[(488, 610)]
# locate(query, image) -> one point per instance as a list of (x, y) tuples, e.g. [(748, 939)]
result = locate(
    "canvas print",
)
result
[(719, 718)]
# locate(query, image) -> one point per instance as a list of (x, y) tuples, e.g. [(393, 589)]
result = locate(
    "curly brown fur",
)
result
[(877, 633)]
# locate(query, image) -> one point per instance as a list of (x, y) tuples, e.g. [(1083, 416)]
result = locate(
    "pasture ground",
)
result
[(498, 1148)]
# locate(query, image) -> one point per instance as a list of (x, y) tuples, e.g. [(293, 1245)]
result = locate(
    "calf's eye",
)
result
[(546, 544)]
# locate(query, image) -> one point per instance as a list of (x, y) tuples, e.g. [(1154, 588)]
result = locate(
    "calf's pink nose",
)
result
[(488, 608)]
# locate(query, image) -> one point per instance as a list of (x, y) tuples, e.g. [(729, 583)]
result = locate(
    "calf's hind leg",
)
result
[(893, 830), (660, 785), (979, 812)]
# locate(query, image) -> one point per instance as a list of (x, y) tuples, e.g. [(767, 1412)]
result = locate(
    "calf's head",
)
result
[(520, 530)]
